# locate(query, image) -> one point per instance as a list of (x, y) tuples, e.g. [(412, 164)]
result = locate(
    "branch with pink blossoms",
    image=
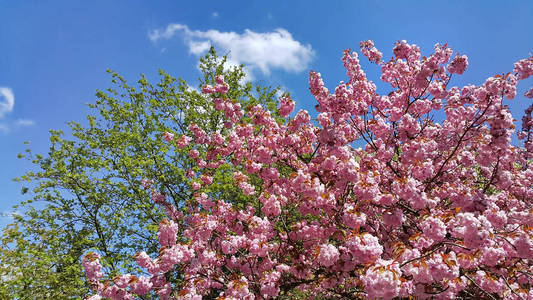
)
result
[(413, 214)]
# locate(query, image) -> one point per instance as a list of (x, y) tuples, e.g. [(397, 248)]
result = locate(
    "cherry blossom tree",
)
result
[(426, 209)]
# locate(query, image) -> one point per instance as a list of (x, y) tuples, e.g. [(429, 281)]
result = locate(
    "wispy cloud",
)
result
[(258, 51), (4, 128), (214, 14), (24, 122), (7, 101), (280, 93), (10, 215)]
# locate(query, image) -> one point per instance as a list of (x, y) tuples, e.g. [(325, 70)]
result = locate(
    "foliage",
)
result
[(86, 193), (425, 209)]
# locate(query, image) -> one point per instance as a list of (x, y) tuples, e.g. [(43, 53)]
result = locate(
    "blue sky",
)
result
[(53, 54)]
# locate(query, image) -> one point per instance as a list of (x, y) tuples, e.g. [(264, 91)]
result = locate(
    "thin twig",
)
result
[(477, 285)]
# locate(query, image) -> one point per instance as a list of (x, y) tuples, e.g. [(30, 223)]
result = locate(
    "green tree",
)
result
[(87, 195)]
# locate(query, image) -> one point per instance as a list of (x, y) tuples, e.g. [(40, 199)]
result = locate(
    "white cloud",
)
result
[(24, 122), (191, 88), (7, 103), (168, 33), (258, 51), (10, 215), (280, 93), (214, 14), (198, 47), (7, 100), (4, 129)]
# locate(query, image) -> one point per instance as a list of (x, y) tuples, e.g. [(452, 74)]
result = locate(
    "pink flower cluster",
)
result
[(425, 209), (287, 106), (219, 87)]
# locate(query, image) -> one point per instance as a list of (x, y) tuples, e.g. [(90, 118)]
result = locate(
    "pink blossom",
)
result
[(328, 255), (141, 285), (222, 88), (287, 106), (269, 284), (524, 246), (393, 219), (434, 228), (92, 266), (208, 89), (524, 68), (271, 205), (167, 232), (219, 79), (190, 173), (491, 256), (115, 293), (183, 141), (529, 93), (352, 218), (365, 248), (487, 283), (382, 280), (206, 179), (146, 183), (158, 198), (238, 289), (194, 153), (164, 291), (402, 49), (368, 49), (122, 281), (196, 186), (167, 136)]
